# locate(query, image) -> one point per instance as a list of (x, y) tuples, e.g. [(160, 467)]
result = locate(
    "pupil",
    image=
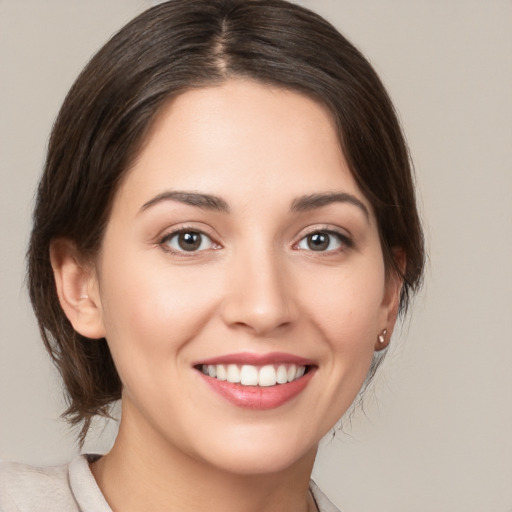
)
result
[(318, 241), (189, 241)]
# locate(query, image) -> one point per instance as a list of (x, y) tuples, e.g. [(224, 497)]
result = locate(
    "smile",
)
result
[(251, 375), (257, 381)]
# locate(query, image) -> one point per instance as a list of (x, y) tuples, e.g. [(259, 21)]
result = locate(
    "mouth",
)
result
[(257, 382), (252, 375)]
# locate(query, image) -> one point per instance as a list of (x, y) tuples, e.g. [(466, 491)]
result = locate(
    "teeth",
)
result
[(221, 372), (282, 374), (292, 371), (233, 373), (267, 376), (249, 375)]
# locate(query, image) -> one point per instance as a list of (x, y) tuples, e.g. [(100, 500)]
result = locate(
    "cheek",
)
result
[(344, 310), (155, 311), (347, 305)]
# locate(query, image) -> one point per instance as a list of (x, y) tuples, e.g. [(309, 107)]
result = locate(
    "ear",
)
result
[(77, 289), (391, 300)]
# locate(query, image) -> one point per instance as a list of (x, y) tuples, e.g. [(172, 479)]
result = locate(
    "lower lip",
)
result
[(257, 397)]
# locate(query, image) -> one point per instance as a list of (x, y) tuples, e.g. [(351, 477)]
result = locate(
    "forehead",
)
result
[(237, 138)]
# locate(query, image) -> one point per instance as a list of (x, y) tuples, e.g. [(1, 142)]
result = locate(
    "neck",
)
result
[(145, 472)]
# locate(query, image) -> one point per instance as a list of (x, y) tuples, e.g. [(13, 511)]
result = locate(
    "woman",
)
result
[(224, 234)]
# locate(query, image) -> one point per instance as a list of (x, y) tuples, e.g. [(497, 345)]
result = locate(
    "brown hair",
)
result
[(102, 124)]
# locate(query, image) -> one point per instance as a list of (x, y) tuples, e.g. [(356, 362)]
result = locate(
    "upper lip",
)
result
[(257, 359)]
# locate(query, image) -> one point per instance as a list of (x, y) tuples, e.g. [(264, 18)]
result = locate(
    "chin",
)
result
[(256, 460), (258, 453)]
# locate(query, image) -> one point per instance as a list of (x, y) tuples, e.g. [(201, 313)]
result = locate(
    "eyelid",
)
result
[(171, 232), (344, 237)]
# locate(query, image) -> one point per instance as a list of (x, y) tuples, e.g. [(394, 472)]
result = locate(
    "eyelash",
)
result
[(164, 242), (344, 241)]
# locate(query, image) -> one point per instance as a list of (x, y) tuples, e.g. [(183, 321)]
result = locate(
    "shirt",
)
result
[(71, 488)]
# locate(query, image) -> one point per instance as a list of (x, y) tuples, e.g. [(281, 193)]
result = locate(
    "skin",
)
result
[(254, 286)]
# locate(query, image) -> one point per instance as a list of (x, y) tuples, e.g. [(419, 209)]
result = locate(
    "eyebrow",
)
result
[(313, 201), (203, 201), (215, 203)]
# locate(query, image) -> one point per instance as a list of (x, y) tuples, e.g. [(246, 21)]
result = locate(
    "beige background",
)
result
[(436, 432)]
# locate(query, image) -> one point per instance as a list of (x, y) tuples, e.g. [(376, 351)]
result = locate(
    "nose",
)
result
[(259, 294)]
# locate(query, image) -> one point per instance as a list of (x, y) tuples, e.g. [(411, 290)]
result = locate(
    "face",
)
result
[(239, 247)]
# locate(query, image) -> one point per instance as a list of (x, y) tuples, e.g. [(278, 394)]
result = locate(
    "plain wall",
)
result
[(436, 430)]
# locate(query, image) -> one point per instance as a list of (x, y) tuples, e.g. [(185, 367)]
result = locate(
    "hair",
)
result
[(107, 114)]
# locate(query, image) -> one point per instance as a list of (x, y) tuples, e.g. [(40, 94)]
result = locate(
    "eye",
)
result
[(323, 241), (188, 241)]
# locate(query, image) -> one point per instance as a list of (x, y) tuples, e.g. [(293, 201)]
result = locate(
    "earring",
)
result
[(382, 336)]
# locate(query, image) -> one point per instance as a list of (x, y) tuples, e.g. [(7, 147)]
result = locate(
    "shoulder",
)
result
[(27, 488), (322, 501)]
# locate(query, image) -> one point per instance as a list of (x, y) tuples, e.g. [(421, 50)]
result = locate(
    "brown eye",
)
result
[(188, 241), (322, 241), (318, 241)]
